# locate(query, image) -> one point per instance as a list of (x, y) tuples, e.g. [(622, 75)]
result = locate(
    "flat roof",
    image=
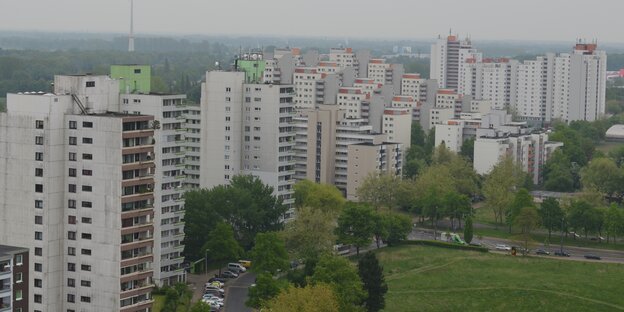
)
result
[(11, 250), (615, 132)]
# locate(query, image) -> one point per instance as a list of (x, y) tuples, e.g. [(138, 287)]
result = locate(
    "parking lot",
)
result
[(236, 289)]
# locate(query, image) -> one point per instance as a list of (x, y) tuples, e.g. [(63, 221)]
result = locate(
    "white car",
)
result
[(214, 288), (213, 303), (503, 247), (212, 297)]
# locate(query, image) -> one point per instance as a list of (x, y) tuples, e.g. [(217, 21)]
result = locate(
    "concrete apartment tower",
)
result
[(170, 173), (246, 129), (14, 278), (448, 60), (77, 188)]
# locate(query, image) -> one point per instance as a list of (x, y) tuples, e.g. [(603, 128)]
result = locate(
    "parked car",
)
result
[(236, 267), (475, 244), (217, 279), (503, 247), (575, 235), (592, 257), (212, 297), (229, 274), (542, 252), (215, 283), (562, 253), (214, 288), (214, 293)]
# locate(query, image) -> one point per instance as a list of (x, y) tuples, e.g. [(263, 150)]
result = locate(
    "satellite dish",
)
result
[(216, 64)]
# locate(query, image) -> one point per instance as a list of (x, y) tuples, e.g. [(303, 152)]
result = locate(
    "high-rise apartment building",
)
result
[(367, 158), (490, 79), (448, 59), (193, 145), (246, 129), (81, 183), (350, 100)]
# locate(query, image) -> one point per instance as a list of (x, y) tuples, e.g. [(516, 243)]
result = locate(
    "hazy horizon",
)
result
[(556, 20)]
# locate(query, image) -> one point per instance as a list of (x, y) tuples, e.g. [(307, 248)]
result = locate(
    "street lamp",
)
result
[(206, 261), (561, 246)]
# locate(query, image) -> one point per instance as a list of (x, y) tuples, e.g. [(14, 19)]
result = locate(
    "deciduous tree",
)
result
[(222, 247), (311, 233), (344, 280), (269, 253), (312, 298), (551, 214), (356, 225)]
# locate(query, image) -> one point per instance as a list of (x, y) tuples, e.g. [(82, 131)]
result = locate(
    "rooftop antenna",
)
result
[(131, 37)]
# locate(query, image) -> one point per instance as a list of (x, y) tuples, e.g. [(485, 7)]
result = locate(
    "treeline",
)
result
[(172, 72)]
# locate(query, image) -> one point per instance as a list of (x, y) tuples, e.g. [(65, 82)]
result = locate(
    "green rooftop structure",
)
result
[(253, 65), (132, 78)]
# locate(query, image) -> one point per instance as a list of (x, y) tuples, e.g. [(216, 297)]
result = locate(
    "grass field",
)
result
[(437, 279)]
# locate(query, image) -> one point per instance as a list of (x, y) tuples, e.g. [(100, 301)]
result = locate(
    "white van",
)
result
[(236, 267)]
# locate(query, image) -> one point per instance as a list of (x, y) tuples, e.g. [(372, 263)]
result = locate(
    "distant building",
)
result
[(448, 60), (371, 158), (615, 133), (15, 278)]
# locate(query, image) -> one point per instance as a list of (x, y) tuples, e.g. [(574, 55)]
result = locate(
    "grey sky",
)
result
[(560, 20)]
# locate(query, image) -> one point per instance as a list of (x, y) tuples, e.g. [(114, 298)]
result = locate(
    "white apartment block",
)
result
[(343, 57), (350, 100), (415, 86), (246, 129), (78, 191), (448, 56), (305, 81), (490, 79), (531, 151), (323, 137), (367, 85), (193, 145), (170, 144), (397, 124), (448, 105), (375, 157)]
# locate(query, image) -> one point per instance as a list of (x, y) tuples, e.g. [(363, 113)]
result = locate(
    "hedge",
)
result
[(443, 245)]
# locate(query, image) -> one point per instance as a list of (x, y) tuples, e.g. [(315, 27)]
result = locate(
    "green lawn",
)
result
[(436, 279)]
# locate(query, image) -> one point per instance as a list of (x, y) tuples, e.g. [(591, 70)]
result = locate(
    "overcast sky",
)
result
[(560, 20)]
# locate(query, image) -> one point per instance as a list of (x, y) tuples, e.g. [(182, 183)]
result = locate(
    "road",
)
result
[(236, 293), (576, 253)]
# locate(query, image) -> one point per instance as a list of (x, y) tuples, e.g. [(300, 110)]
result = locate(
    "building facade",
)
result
[(14, 279)]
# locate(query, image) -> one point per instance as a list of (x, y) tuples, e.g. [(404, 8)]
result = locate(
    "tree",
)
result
[(200, 307), (467, 149), (614, 222), (269, 253), (325, 197), (550, 214), (372, 276), (311, 233), (604, 175), (379, 190), (500, 186), (222, 247), (266, 288), (468, 231), (201, 217), (527, 220), (313, 298), (521, 200), (356, 225), (456, 206), (583, 216), (344, 280), (398, 226)]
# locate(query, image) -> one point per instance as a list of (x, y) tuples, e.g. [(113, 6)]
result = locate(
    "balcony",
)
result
[(136, 291), (140, 306), (139, 227), (147, 257), (149, 132), (147, 242), (5, 288), (5, 307)]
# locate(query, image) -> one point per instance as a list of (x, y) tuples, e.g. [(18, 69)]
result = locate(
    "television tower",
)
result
[(131, 36)]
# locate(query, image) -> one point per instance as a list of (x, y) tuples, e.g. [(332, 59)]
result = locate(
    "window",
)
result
[(87, 156), (38, 235), (39, 124), (39, 140), (38, 283), (87, 124), (72, 188), (87, 140), (71, 219), (73, 124), (71, 203), (72, 156), (38, 299), (85, 267), (86, 220), (87, 188), (38, 267), (137, 70), (71, 235), (84, 283), (87, 204), (71, 282), (39, 204), (85, 299), (38, 220), (86, 252), (73, 140), (18, 295), (71, 267), (72, 172), (39, 156), (71, 298), (19, 277), (38, 251), (90, 84), (86, 236), (71, 251), (38, 172), (86, 172)]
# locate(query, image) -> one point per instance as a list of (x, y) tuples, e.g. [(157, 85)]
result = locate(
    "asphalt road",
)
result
[(576, 253), (236, 293)]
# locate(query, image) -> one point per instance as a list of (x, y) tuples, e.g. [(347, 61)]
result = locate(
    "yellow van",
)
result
[(245, 263)]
